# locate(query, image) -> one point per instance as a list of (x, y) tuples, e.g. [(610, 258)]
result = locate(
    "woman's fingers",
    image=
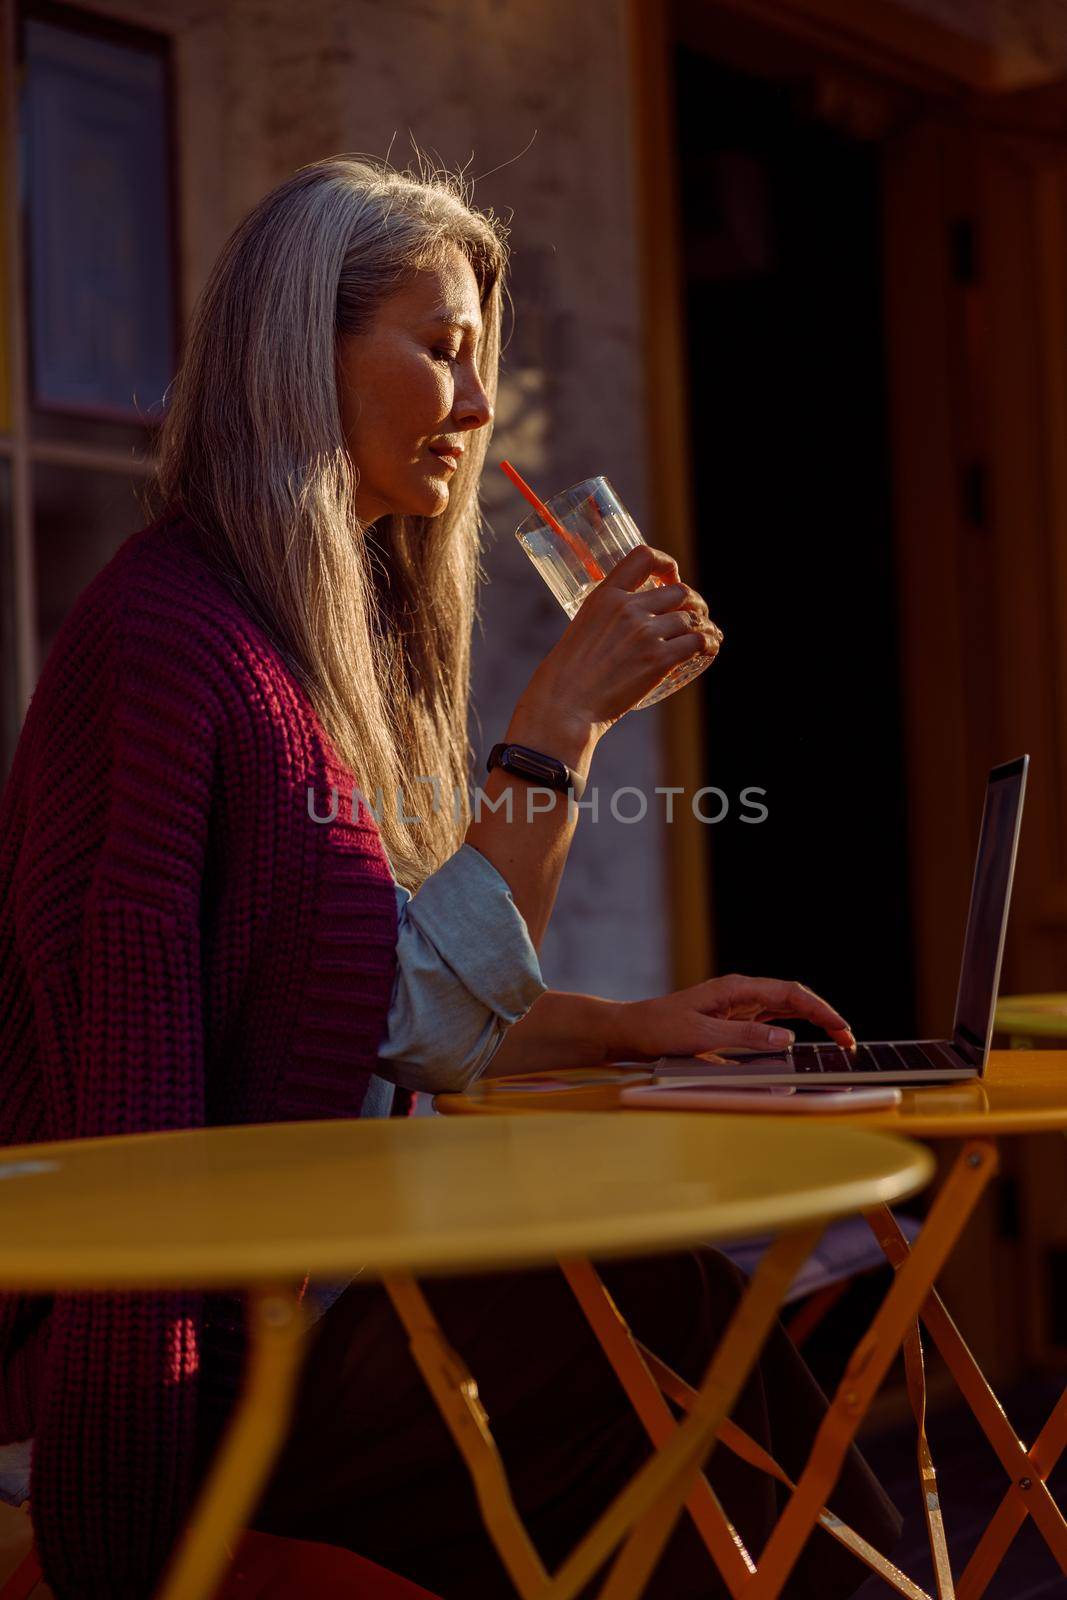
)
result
[(671, 597), (689, 642), (645, 562), (615, 651), (640, 564), (804, 1002), (727, 1035), (674, 623), (777, 997), (666, 598), (676, 609)]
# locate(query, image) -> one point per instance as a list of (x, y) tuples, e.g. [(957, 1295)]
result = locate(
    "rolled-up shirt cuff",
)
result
[(460, 909), (466, 971)]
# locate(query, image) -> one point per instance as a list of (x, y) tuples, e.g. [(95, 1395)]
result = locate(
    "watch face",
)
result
[(533, 766)]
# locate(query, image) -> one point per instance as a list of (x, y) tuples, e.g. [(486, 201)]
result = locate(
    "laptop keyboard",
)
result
[(875, 1057)]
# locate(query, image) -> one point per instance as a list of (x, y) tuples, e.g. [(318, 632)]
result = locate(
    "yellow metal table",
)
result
[(1022, 1092), (258, 1207), (1026, 1017)]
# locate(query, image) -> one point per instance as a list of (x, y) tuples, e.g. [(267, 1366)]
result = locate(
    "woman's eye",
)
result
[(446, 355)]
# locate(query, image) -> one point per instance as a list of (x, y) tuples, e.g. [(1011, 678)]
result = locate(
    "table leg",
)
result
[(643, 1514), (884, 1227), (1030, 1494), (723, 1542), (253, 1438), (664, 1481), (915, 1378), (456, 1393), (870, 1363), (652, 1502), (1013, 1509), (738, 1442)]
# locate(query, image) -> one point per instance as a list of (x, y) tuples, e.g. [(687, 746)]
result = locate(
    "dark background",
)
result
[(781, 223)]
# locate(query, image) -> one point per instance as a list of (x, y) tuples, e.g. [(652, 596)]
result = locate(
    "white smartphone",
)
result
[(776, 1098)]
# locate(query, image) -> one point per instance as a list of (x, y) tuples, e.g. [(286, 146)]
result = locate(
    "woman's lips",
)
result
[(451, 461)]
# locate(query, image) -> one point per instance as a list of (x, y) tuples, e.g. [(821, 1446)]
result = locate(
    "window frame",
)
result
[(18, 444)]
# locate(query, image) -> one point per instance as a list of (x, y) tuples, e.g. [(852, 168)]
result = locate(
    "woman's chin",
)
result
[(434, 496), (427, 497)]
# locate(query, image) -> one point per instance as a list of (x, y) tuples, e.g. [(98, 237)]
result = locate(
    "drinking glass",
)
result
[(597, 531)]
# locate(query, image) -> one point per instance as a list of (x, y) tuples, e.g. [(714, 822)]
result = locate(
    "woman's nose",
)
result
[(473, 409)]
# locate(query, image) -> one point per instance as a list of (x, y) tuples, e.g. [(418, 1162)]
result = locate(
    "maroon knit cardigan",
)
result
[(180, 945)]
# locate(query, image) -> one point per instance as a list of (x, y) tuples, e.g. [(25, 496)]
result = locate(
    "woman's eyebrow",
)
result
[(455, 319)]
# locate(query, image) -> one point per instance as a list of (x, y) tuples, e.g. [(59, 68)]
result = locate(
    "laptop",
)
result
[(909, 1061)]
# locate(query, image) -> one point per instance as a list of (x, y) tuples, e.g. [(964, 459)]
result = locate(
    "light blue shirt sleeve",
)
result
[(466, 971)]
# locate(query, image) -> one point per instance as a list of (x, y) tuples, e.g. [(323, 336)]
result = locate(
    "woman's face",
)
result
[(408, 389)]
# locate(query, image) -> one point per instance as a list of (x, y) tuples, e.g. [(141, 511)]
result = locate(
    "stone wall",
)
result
[(533, 94)]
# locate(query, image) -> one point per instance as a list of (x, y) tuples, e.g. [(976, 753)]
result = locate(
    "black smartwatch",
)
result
[(536, 768)]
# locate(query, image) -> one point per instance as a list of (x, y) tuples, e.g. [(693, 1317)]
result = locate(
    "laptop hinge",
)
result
[(971, 1048)]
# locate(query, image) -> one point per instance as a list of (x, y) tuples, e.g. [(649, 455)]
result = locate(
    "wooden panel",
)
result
[(975, 188), (1050, 205), (979, 364), (1023, 212), (1027, 438), (897, 40), (1040, 1177), (963, 320), (670, 468), (6, 247), (923, 440)]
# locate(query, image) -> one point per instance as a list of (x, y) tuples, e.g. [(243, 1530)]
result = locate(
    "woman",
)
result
[(191, 933)]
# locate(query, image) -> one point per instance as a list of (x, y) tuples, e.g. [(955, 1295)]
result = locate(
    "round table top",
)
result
[(264, 1203), (1022, 1091), (1044, 1016)]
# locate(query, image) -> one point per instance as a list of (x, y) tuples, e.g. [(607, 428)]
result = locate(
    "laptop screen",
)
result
[(987, 919)]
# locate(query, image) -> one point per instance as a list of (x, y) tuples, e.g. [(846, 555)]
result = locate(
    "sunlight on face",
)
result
[(408, 388)]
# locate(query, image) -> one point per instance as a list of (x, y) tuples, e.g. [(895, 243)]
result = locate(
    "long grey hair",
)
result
[(376, 623)]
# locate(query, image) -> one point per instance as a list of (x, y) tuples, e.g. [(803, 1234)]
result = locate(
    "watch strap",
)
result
[(536, 767)]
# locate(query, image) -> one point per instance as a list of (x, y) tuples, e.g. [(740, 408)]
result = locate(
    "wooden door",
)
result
[(976, 305)]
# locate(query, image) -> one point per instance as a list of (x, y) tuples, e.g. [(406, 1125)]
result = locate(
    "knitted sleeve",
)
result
[(115, 1438)]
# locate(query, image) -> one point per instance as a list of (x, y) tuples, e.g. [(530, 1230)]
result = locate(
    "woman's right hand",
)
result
[(623, 640)]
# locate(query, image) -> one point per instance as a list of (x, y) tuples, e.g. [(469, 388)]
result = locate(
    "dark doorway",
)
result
[(782, 245)]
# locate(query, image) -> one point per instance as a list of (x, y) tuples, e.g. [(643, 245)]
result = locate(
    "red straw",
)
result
[(581, 551)]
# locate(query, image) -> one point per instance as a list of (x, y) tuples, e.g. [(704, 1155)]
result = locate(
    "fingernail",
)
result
[(779, 1036)]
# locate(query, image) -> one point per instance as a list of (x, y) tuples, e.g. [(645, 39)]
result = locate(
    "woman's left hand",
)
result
[(722, 1013)]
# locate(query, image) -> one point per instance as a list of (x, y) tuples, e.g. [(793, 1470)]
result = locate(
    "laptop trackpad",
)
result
[(734, 1064)]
